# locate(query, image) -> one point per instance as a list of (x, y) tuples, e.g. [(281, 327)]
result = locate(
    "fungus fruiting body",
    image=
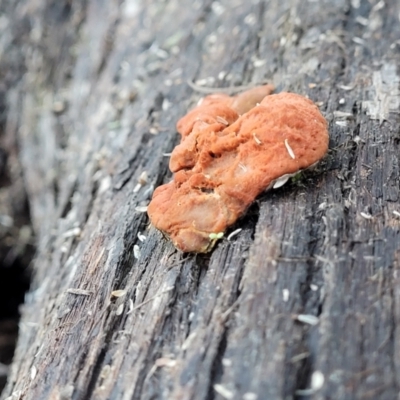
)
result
[(232, 149)]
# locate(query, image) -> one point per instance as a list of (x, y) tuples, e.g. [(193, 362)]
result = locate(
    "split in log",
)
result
[(304, 300)]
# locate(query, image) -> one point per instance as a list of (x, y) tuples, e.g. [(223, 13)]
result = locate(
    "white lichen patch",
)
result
[(385, 93)]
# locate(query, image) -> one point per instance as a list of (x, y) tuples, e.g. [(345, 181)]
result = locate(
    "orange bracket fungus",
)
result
[(232, 149)]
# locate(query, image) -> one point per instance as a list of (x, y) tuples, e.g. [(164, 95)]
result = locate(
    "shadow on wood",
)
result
[(304, 301)]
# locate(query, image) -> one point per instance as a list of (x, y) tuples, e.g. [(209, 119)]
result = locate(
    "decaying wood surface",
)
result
[(304, 302)]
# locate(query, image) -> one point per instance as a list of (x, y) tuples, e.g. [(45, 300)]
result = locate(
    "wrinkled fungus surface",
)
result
[(232, 149)]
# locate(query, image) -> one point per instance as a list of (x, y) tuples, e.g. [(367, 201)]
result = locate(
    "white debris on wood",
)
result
[(308, 319), (227, 362), (362, 21), (299, 357), (342, 114), (222, 75), (137, 188), (166, 105), (130, 306), (378, 6), (141, 209), (188, 341), (257, 63), (281, 181), (6, 221), (142, 180), (15, 395), (120, 309), (250, 19), (359, 41), (72, 232), (396, 213), (223, 391), (217, 8), (285, 294), (148, 192), (203, 82), (317, 380), (105, 184), (141, 237), (118, 293), (347, 88), (366, 215), (39, 350), (136, 251), (234, 233), (33, 372), (165, 362), (250, 396), (143, 177)]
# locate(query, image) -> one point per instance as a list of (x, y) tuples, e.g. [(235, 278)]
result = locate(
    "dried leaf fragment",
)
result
[(118, 293), (232, 149)]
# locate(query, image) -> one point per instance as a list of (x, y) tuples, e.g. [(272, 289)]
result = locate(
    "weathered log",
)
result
[(304, 300)]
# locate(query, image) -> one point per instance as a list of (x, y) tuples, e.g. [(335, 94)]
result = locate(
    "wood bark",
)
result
[(304, 302)]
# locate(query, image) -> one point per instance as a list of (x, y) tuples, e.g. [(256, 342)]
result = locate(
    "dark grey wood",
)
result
[(303, 302)]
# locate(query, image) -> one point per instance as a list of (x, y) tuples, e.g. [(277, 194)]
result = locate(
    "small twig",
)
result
[(152, 298), (227, 90)]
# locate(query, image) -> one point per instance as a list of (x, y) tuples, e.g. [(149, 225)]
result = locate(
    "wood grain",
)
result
[(101, 85)]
